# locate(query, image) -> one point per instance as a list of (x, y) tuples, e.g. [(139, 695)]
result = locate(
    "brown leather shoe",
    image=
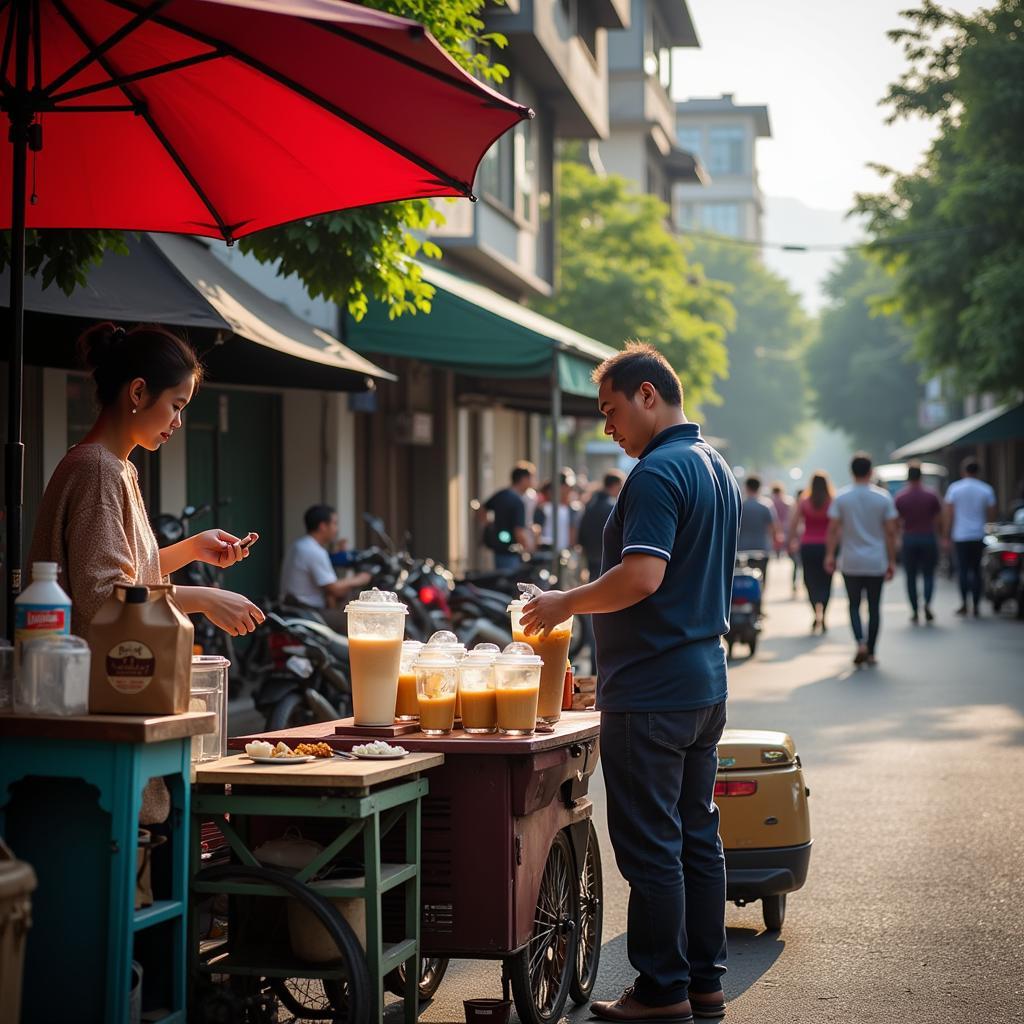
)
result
[(708, 1004), (628, 1008)]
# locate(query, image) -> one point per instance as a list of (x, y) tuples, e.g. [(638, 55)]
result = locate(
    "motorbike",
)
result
[(745, 612), (1002, 564)]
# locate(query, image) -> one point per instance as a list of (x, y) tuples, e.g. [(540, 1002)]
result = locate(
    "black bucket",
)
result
[(487, 1011)]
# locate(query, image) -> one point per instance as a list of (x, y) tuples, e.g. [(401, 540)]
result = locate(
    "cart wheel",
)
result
[(774, 910), (591, 897), (432, 970), (541, 973), (312, 998)]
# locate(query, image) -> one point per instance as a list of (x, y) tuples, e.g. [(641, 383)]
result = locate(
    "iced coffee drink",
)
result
[(476, 692), (437, 684), (407, 708), (553, 649), (516, 687), (376, 625)]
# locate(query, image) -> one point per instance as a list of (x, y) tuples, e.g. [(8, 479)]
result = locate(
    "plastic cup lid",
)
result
[(444, 638), (382, 602), (410, 646), (518, 653), (435, 659), (478, 659)]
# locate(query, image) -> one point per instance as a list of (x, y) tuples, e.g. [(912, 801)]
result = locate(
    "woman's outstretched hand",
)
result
[(231, 612), (220, 548)]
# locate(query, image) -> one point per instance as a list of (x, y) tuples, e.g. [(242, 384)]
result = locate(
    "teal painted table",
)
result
[(355, 804), (70, 795)]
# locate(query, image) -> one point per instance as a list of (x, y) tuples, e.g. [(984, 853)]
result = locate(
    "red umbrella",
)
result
[(220, 117)]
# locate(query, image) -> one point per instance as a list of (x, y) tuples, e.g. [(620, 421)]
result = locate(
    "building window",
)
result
[(658, 58), (687, 215), (727, 150), (690, 139), (496, 174), (525, 169), (722, 219)]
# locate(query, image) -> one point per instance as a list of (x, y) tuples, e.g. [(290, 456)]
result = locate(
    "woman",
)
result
[(92, 521), (808, 530)]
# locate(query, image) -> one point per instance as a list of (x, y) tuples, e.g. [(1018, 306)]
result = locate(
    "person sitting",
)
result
[(307, 575)]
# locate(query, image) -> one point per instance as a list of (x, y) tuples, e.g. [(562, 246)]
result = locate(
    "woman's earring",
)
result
[(135, 409)]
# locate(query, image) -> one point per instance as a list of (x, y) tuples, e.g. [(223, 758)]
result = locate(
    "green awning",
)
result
[(1001, 423), (474, 331)]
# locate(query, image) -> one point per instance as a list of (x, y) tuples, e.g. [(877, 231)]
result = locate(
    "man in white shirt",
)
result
[(307, 575), (863, 524), (969, 504)]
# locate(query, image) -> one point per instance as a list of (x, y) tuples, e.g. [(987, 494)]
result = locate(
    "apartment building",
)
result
[(723, 136)]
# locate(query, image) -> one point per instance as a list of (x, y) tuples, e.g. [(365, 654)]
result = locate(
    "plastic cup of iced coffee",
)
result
[(476, 692), (553, 649), (407, 708), (517, 673), (437, 683), (376, 628)]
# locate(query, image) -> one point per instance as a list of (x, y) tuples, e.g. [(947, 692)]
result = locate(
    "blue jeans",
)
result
[(968, 563), (920, 556), (506, 561), (659, 772)]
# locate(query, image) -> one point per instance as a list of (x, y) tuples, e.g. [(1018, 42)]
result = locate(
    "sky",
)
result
[(821, 66)]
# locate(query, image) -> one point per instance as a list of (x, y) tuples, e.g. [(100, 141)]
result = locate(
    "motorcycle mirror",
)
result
[(376, 524)]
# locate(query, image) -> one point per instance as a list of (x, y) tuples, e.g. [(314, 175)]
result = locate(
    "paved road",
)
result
[(913, 908)]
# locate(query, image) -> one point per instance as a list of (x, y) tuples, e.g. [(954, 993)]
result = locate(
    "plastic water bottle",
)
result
[(43, 609)]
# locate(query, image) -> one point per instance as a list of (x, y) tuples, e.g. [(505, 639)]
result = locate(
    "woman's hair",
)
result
[(820, 489), (116, 357)]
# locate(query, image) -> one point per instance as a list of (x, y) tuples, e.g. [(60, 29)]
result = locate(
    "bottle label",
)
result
[(130, 666), (36, 620)]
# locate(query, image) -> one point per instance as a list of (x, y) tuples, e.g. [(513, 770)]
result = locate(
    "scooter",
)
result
[(1002, 564), (745, 611)]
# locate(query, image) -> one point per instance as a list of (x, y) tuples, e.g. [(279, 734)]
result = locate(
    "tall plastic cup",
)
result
[(376, 626), (437, 683), (553, 649), (476, 692), (407, 709), (516, 686)]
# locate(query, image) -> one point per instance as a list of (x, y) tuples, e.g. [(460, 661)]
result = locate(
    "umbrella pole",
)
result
[(14, 450)]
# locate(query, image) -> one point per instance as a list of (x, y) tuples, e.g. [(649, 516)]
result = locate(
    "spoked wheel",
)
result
[(432, 970), (541, 973), (312, 998), (591, 898)]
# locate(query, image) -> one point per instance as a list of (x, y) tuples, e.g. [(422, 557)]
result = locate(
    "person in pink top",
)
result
[(784, 508), (808, 532)]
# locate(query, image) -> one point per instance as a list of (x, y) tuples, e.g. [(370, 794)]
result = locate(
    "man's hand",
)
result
[(220, 548), (830, 564), (890, 571), (545, 612)]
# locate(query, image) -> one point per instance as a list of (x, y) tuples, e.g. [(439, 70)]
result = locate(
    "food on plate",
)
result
[(259, 748), (283, 750), (378, 747), (314, 750)]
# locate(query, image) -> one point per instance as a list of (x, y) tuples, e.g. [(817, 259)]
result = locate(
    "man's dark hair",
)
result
[(317, 514), (914, 472), (636, 363), (613, 477), (970, 466), (753, 484), (860, 465), (520, 473)]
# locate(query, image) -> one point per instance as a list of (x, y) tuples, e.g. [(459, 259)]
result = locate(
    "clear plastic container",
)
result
[(553, 649), (516, 688), (208, 692), (6, 676), (476, 692), (376, 626), (437, 685), (407, 708), (53, 677)]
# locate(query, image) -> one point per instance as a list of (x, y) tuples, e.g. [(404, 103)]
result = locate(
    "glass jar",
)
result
[(53, 677), (209, 692)]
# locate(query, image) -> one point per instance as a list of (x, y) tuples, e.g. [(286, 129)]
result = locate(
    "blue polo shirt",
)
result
[(679, 503)]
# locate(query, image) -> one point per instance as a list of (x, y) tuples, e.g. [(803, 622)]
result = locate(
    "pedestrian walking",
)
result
[(920, 512), (808, 536), (591, 540), (759, 526), (504, 516), (969, 504), (660, 610), (862, 526), (783, 505), (568, 512)]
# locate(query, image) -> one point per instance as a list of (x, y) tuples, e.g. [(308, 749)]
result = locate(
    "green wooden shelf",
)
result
[(392, 876), (254, 963), (160, 911)]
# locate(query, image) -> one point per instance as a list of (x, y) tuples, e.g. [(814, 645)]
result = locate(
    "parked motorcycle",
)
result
[(1002, 564), (747, 590)]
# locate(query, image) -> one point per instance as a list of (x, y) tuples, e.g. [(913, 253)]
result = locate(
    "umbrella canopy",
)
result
[(219, 118)]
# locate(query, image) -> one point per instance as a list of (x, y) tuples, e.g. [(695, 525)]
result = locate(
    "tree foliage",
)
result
[(347, 257), (763, 398), (624, 275), (953, 231), (860, 366)]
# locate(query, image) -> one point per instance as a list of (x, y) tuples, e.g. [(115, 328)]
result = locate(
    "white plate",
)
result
[(301, 759), (380, 757)]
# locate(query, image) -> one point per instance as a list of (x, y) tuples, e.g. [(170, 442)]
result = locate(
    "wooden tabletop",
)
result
[(109, 728), (333, 772), (572, 727)]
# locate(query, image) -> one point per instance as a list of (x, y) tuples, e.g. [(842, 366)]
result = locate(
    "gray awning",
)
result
[(1001, 423)]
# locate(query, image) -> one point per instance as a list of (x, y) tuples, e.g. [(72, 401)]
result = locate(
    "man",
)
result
[(660, 610), (759, 525), (591, 539), (307, 575), (862, 524), (970, 503), (505, 517), (920, 513), (567, 511)]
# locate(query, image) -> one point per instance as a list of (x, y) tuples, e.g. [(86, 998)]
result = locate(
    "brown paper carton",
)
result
[(141, 645)]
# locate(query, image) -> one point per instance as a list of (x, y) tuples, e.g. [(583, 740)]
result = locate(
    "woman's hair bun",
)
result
[(98, 343)]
